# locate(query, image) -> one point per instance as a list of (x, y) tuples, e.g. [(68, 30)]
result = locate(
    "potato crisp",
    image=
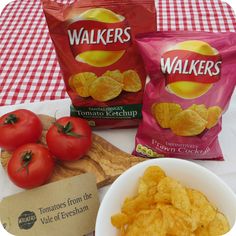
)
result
[(165, 112), (132, 81), (214, 114), (116, 75), (187, 123), (105, 89), (163, 206), (81, 83)]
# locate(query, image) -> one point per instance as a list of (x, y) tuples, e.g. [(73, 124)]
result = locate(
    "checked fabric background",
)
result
[(29, 70)]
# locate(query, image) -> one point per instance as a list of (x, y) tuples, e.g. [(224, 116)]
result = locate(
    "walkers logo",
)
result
[(99, 37), (191, 68)]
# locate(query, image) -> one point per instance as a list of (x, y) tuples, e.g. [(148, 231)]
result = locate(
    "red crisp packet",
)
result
[(102, 69), (192, 79)]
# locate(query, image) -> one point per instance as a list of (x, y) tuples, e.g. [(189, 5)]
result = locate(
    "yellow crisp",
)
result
[(165, 112), (153, 174), (81, 83), (132, 82), (147, 223), (148, 183), (201, 231), (164, 189), (202, 205), (187, 123), (180, 199), (174, 210), (219, 225), (214, 113), (105, 89), (119, 220), (201, 110), (162, 198), (166, 185), (115, 74), (177, 222)]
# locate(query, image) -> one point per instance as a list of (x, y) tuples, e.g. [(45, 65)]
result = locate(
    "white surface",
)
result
[(226, 170), (124, 139), (188, 173)]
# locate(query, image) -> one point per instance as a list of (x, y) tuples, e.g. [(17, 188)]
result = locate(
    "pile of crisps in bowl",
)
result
[(163, 206)]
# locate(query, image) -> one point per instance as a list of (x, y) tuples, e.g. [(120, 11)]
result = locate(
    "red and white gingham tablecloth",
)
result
[(29, 70)]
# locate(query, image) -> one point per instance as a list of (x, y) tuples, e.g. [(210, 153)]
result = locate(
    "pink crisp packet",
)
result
[(192, 77)]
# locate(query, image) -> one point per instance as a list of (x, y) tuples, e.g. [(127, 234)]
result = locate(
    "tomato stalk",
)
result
[(67, 130), (25, 161), (11, 119)]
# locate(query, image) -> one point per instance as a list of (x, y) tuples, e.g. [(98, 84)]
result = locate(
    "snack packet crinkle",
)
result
[(192, 78), (101, 66)]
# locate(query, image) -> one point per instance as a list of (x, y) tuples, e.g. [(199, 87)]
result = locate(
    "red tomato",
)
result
[(69, 138), (30, 166), (19, 127)]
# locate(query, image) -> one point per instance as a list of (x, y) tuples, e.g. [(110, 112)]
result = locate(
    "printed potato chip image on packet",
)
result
[(165, 112), (82, 82), (192, 79), (101, 66), (105, 88)]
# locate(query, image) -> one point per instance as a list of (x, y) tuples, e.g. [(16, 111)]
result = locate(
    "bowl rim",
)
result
[(150, 162)]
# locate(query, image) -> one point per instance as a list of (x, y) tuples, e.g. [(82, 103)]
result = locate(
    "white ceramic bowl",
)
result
[(190, 174)]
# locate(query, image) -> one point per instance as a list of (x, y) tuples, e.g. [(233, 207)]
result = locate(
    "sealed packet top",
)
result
[(192, 78), (102, 69)]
